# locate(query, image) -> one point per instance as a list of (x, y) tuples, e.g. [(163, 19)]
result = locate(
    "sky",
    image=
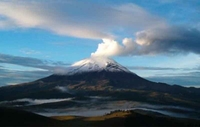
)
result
[(156, 39)]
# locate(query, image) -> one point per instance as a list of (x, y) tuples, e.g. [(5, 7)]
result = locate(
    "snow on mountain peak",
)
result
[(93, 64)]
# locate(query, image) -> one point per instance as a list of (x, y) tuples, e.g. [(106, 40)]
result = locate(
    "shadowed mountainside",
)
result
[(121, 85), (15, 117)]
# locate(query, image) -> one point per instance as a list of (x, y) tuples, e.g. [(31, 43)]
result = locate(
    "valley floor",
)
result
[(15, 117)]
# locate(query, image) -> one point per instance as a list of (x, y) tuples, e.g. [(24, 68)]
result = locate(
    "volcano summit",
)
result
[(96, 64)]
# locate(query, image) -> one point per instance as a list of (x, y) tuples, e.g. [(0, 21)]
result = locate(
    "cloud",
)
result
[(75, 18), (154, 68), (29, 69), (64, 89), (184, 80), (30, 101), (24, 61), (108, 48), (169, 40), (29, 51), (113, 48), (97, 21), (13, 77), (31, 62), (160, 40)]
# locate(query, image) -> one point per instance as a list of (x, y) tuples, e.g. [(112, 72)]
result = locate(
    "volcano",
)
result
[(99, 76), (98, 73)]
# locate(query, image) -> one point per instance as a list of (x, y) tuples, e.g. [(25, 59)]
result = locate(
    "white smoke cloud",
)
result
[(60, 70), (160, 40), (108, 48), (113, 48)]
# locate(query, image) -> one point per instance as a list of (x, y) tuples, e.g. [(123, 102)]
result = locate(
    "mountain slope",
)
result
[(102, 76)]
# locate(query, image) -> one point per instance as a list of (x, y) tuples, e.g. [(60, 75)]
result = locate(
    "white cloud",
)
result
[(37, 101), (29, 51), (75, 18)]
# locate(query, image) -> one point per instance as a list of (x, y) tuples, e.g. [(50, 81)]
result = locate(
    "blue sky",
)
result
[(156, 39)]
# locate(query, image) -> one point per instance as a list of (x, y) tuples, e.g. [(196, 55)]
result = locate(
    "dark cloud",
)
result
[(30, 62), (169, 40), (159, 40), (40, 69), (11, 77), (24, 61)]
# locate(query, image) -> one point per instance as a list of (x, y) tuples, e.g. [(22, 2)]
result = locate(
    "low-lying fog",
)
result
[(94, 106)]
